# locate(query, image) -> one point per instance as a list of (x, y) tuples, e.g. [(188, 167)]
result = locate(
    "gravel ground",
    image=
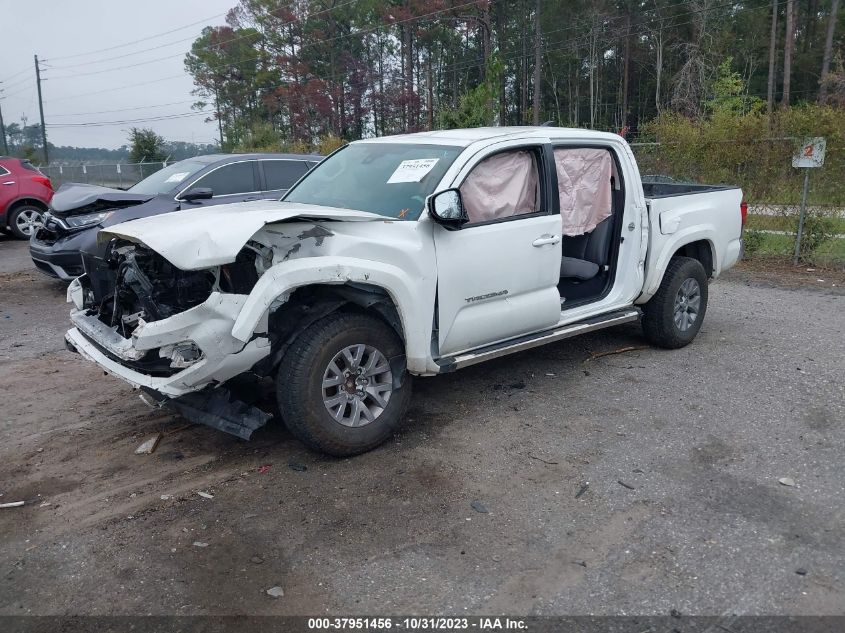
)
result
[(632, 483)]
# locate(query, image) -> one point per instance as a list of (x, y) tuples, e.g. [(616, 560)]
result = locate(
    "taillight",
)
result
[(43, 180), (743, 211)]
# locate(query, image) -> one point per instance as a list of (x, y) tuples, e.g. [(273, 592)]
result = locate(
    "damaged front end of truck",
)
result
[(168, 330)]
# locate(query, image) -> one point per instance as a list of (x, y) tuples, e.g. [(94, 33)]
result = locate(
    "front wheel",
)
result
[(673, 316), (337, 388)]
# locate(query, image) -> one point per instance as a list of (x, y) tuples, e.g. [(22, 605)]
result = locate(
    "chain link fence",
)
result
[(117, 176), (772, 189)]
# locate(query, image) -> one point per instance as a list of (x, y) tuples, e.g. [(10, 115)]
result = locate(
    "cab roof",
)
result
[(468, 136)]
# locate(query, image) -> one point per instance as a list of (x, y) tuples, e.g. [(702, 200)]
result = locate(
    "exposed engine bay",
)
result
[(138, 285)]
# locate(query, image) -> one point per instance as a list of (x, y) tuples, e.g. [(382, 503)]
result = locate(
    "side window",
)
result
[(4, 171), (230, 179), (584, 187), (502, 186), (281, 174)]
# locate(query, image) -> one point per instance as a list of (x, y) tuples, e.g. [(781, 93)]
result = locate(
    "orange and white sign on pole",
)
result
[(811, 153)]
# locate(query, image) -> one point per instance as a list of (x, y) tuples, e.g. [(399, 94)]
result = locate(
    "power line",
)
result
[(111, 59), (218, 45), (20, 72), (164, 117), (109, 70), (252, 35), (143, 39), (144, 107), (15, 84), (13, 95), (97, 92)]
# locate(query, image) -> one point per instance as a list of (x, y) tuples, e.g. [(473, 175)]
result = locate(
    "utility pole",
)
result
[(3, 133), (41, 111), (538, 60), (219, 118)]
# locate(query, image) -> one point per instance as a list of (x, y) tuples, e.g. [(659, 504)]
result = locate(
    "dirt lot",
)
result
[(632, 483)]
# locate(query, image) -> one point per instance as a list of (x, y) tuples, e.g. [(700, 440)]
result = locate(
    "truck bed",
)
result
[(671, 189)]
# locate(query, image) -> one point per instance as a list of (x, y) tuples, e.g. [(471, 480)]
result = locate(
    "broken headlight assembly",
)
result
[(182, 354), (86, 220)]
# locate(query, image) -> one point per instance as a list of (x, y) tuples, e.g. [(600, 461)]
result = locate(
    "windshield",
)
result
[(391, 179), (167, 179)]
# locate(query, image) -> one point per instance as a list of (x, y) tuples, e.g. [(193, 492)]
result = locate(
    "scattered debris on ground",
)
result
[(625, 484), (300, 468), (275, 592), (479, 507), (582, 489), (200, 544), (13, 504), (149, 445), (540, 459), (621, 350), (786, 481), (205, 495)]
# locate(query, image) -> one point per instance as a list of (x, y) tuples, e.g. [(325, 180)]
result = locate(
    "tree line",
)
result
[(296, 71)]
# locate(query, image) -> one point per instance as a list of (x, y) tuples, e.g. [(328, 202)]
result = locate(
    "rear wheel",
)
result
[(24, 220), (673, 316), (336, 387)]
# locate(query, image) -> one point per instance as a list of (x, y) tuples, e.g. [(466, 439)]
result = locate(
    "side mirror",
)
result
[(197, 193), (447, 208)]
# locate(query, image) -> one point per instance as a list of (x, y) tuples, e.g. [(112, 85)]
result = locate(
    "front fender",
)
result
[(413, 297)]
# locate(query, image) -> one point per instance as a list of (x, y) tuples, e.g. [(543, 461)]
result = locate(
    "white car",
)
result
[(396, 257)]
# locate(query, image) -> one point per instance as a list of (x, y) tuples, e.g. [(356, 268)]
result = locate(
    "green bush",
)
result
[(749, 150), (752, 240), (817, 230)]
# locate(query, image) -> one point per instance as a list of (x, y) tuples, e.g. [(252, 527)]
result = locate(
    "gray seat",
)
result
[(584, 256)]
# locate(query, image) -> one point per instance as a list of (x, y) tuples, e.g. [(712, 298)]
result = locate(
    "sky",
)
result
[(68, 38)]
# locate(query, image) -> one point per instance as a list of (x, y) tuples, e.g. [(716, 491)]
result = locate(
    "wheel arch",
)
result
[(19, 202), (374, 287), (697, 244), (702, 250)]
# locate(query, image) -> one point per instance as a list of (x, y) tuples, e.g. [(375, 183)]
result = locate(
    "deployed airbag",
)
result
[(501, 186), (583, 180)]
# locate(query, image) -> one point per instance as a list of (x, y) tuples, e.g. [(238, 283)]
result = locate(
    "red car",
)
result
[(24, 195)]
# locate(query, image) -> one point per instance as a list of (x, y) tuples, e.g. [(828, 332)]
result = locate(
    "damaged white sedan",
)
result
[(395, 257)]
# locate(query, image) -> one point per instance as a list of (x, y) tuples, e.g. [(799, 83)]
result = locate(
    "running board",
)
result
[(535, 340)]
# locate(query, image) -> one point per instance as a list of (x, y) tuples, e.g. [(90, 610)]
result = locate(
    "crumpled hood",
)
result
[(76, 197), (212, 236)]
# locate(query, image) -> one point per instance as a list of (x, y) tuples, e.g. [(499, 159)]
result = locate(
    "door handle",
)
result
[(546, 239), (9, 182)]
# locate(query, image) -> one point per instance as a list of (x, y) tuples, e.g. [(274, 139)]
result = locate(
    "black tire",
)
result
[(660, 325), (302, 397), (23, 211)]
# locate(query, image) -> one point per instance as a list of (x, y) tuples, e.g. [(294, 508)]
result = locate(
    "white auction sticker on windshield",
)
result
[(178, 177), (412, 170)]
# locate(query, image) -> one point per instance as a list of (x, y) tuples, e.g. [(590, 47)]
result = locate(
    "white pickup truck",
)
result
[(411, 255)]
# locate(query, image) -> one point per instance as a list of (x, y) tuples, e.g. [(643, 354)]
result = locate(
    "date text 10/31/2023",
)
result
[(418, 623)]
